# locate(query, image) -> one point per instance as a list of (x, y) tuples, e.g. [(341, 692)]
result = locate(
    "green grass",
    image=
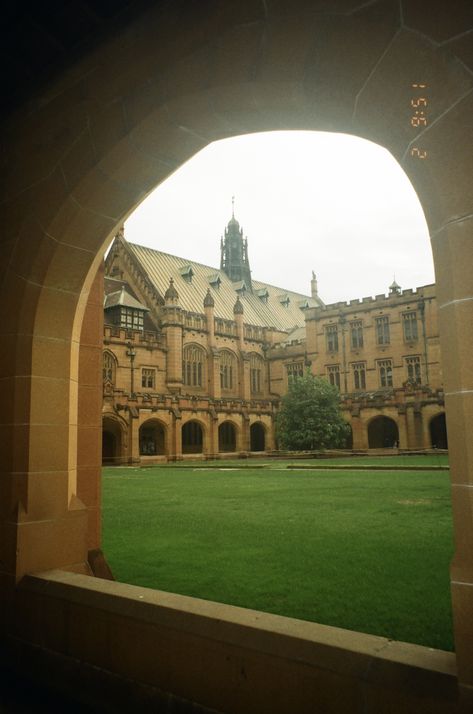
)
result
[(366, 551)]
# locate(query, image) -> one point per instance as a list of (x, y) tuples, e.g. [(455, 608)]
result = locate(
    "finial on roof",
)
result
[(233, 206), (208, 299), (171, 293), (238, 307), (394, 288)]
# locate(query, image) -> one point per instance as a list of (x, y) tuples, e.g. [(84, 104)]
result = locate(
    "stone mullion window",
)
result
[(227, 368), (148, 378), (331, 338), (414, 374), (359, 375), (382, 330), (192, 366), (409, 324), (333, 372), (356, 334), (109, 367), (385, 370), (256, 368), (296, 369)]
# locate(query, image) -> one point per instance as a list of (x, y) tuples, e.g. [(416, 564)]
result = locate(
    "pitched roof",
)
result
[(124, 299), (262, 311)]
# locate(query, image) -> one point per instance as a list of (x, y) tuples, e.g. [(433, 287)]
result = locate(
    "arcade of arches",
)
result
[(79, 156)]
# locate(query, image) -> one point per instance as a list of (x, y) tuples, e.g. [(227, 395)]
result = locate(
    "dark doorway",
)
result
[(111, 442), (438, 432), (382, 433), (152, 440), (192, 438), (226, 437), (349, 439), (257, 437)]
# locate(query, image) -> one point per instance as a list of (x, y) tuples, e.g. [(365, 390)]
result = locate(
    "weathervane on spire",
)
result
[(233, 206)]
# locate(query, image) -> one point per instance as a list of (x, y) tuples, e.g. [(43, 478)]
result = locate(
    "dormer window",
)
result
[(215, 281), (187, 273), (284, 300), (240, 287), (303, 304), (124, 310), (263, 294)]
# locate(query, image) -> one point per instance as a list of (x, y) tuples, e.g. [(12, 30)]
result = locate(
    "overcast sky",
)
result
[(331, 203)]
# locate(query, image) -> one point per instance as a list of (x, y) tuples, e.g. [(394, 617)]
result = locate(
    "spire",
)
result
[(234, 252)]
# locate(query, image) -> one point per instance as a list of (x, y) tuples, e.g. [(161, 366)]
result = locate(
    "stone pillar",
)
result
[(453, 256), (89, 419), (213, 362)]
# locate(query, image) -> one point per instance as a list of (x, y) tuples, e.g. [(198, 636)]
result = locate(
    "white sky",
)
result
[(332, 203)]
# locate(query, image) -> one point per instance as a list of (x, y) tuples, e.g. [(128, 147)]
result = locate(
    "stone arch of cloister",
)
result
[(104, 132)]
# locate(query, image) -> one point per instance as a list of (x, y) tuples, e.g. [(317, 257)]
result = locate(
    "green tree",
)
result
[(310, 416)]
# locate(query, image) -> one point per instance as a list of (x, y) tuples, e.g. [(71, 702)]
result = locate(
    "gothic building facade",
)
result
[(196, 359)]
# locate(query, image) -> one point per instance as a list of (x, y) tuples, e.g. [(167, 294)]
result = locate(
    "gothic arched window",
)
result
[(109, 368), (227, 370), (193, 361), (256, 373)]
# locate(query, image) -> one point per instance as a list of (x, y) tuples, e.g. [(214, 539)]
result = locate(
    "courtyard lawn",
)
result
[(366, 551)]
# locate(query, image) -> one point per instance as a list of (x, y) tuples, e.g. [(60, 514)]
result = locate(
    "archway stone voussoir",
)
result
[(459, 411), (452, 249)]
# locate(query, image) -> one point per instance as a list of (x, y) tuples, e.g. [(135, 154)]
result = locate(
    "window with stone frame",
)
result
[(382, 330), (331, 338), (414, 370), (385, 371), (109, 368), (356, 334), (409, 326), (294, 369), (148, 378), (333, 372), (256, 373), (227, 369), (359, 375), (193, 364)]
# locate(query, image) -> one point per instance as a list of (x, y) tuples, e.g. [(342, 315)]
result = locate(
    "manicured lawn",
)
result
[(367, 551)]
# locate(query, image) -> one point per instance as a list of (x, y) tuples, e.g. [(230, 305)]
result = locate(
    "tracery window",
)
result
[(356, 334), (193, 360), (409, 325), (227, 369), (414, 374), (109, 367), (385, 369), (256, 372), (331, 337), (333, 372), (148, 378), (359, 375), (382, 330)]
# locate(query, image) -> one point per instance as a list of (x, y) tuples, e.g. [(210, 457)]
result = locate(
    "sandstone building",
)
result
[(196, 359)]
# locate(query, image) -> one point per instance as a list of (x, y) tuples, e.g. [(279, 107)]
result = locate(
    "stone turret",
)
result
[(172, 329)]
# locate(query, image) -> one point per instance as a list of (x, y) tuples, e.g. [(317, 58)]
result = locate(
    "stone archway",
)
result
[(438, 432), (383, 433), (227, 437), (192, 437), (119, 120), (152, 438), (257, 437), (112, 441)]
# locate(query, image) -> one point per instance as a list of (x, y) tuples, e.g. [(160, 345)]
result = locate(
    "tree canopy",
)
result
[(310, 416)]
